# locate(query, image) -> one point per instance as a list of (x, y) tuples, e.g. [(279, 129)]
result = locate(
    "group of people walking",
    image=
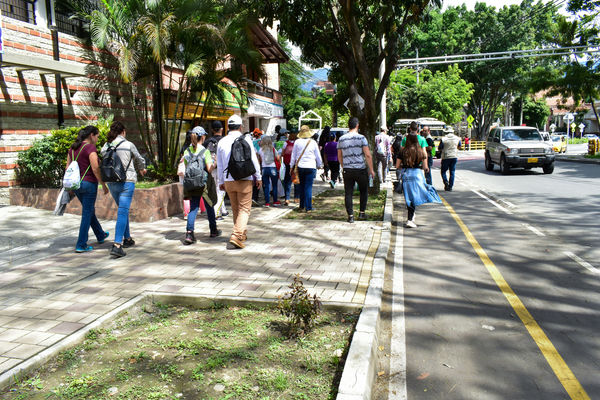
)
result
[(239, 164)]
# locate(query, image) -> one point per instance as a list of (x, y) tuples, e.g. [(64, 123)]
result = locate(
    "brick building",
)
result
[(51, 78)]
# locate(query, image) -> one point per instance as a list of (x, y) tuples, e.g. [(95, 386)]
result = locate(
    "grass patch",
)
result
[(329, 205), (150, 184), (177, 352), (578, 141), (594, 157)]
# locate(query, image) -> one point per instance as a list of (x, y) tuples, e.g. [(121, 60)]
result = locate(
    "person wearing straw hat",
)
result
[(307, 157)]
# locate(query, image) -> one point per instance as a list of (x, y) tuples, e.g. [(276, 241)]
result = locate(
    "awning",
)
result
[(43, 65), (267, 45)]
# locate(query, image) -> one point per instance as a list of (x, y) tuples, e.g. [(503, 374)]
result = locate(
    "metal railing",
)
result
[(474, 145), (22, 10), (259, 89), (70, 25)]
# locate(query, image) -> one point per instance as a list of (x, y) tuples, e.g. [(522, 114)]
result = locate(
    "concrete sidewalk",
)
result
[(48, 292)]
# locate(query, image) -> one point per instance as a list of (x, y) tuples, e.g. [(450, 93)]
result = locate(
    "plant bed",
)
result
[(169, 352), (151, 204), (329, 205)]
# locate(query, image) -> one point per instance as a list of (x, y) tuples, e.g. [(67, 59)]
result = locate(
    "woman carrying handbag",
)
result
[(306, 158)]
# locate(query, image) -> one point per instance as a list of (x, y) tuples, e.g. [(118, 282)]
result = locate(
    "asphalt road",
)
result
[(481, 301)]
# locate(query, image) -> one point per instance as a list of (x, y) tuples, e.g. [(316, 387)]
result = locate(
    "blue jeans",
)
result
[(210, 213), (428, 173), (122, 192), (307, 176), (449, 163), (287, 184), (87, 194), (269, 178)]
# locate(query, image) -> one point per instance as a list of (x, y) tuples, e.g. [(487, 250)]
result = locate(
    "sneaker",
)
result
[(323, 177), (267, 205), (216, 233), (296, 201), (299, 210), (309, 211), (219, 218), (117, 251), (446, 187), (236, 242), (84, 249), (332, 184), (254, 203), (105, 236), (225, 214), (277, 203), (189, 238), (129, 242), (351, 219), (362, 216), (286, 202), (410, 224)]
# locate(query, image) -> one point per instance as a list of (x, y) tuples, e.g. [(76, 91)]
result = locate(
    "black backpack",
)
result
[(397, 145), (240, 164), (211, 144), (111, 168), (195, 172)]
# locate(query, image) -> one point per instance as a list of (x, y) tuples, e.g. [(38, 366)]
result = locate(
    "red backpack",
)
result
[(287, 152)]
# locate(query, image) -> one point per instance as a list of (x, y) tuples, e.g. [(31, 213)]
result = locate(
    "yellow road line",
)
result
[(556, 362)]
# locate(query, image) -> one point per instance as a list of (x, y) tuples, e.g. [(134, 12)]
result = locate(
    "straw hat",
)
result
[(305, 132)]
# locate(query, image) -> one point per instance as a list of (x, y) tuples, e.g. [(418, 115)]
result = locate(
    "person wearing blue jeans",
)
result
[(448, 164), (87, 194), (269, 178), (210, 213), (287, 185), (307, 177), (85, 153), (122, 191)]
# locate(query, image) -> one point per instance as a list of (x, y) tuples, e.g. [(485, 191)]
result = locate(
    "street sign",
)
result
[(573, 126), (470, 120), (552, 127), (581, 127), (569, 117), (361, 102)]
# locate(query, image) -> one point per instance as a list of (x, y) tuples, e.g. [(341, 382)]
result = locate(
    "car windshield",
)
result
[(521, 135), (556, 138)]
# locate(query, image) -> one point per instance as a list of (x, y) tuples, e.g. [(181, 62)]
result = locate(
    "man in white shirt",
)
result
[(449, 146), (239, 191)]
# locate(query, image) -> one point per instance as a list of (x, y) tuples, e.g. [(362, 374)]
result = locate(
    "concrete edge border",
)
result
[(359, 373), (580, 160), (9, 377)]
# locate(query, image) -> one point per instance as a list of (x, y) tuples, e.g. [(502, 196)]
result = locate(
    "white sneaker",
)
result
[(410, 224)]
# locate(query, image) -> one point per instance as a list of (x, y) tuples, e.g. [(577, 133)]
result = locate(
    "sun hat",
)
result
[(234, 120), (305, 132), (199, 131)]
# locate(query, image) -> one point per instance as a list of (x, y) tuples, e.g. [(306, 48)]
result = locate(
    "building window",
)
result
[(22, 10)]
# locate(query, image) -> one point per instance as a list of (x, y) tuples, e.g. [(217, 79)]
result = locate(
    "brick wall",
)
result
[(28, 107)]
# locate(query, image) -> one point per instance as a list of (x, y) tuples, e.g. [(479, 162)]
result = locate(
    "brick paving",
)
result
[(51, 292)]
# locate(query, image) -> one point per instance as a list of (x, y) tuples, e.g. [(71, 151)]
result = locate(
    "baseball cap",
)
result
[(216, 125), (199, 131), (234, 120)]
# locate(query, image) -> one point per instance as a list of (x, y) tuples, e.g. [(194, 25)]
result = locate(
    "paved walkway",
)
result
[(48, 292)]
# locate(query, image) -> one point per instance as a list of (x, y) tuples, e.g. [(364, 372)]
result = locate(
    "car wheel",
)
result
[(504, 167), (548, 169), (489, 165)]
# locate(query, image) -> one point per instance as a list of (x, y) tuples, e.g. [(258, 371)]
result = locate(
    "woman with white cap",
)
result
[(196, 149), (307, 157)]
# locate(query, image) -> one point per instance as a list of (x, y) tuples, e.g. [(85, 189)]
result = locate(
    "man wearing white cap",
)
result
[(237, 177)]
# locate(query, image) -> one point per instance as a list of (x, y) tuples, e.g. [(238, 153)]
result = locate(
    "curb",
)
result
[(580, 160), (360, 367)]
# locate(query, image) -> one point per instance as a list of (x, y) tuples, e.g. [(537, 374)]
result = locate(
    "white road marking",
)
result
[(397, 386), (583, 263), (534, 230), (492, 201), (508, 203)]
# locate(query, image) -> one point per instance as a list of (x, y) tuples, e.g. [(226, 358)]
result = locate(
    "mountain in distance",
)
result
[(315, 76)]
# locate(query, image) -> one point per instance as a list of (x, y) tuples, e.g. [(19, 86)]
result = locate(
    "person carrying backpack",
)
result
[(237, 166), (211, 145), (84, 152), (198, 183), (120, 161)]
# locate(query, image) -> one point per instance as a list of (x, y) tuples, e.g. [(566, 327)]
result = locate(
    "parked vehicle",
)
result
[(517, 147), (559, 143), (590, 136)]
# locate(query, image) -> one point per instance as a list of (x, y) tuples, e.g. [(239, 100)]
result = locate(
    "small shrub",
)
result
[(43, 165), (299, 307)]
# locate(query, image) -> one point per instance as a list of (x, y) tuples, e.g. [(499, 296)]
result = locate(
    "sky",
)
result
[(496, 3)]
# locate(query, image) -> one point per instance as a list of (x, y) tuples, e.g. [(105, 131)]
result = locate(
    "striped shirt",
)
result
[(351, 145)]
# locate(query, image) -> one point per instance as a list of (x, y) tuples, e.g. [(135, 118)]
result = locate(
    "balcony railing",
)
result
[(22, 10), (69, 25), (259, 89)]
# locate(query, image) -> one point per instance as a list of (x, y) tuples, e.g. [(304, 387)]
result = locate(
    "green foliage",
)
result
[(299, 307), (43, 165), (535, 112)]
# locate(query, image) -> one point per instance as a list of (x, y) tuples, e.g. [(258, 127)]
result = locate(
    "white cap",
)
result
[(198, 130), (234, 120)]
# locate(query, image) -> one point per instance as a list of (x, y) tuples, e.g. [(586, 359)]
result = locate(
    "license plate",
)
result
[(532, 160)]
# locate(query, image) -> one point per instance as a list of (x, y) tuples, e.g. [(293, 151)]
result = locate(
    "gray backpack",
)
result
[(195, 172)]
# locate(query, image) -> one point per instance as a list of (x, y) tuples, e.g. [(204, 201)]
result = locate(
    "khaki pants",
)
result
[(240, 196)]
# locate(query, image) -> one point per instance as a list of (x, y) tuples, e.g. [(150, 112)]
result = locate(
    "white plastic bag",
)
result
[(72, 178)]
